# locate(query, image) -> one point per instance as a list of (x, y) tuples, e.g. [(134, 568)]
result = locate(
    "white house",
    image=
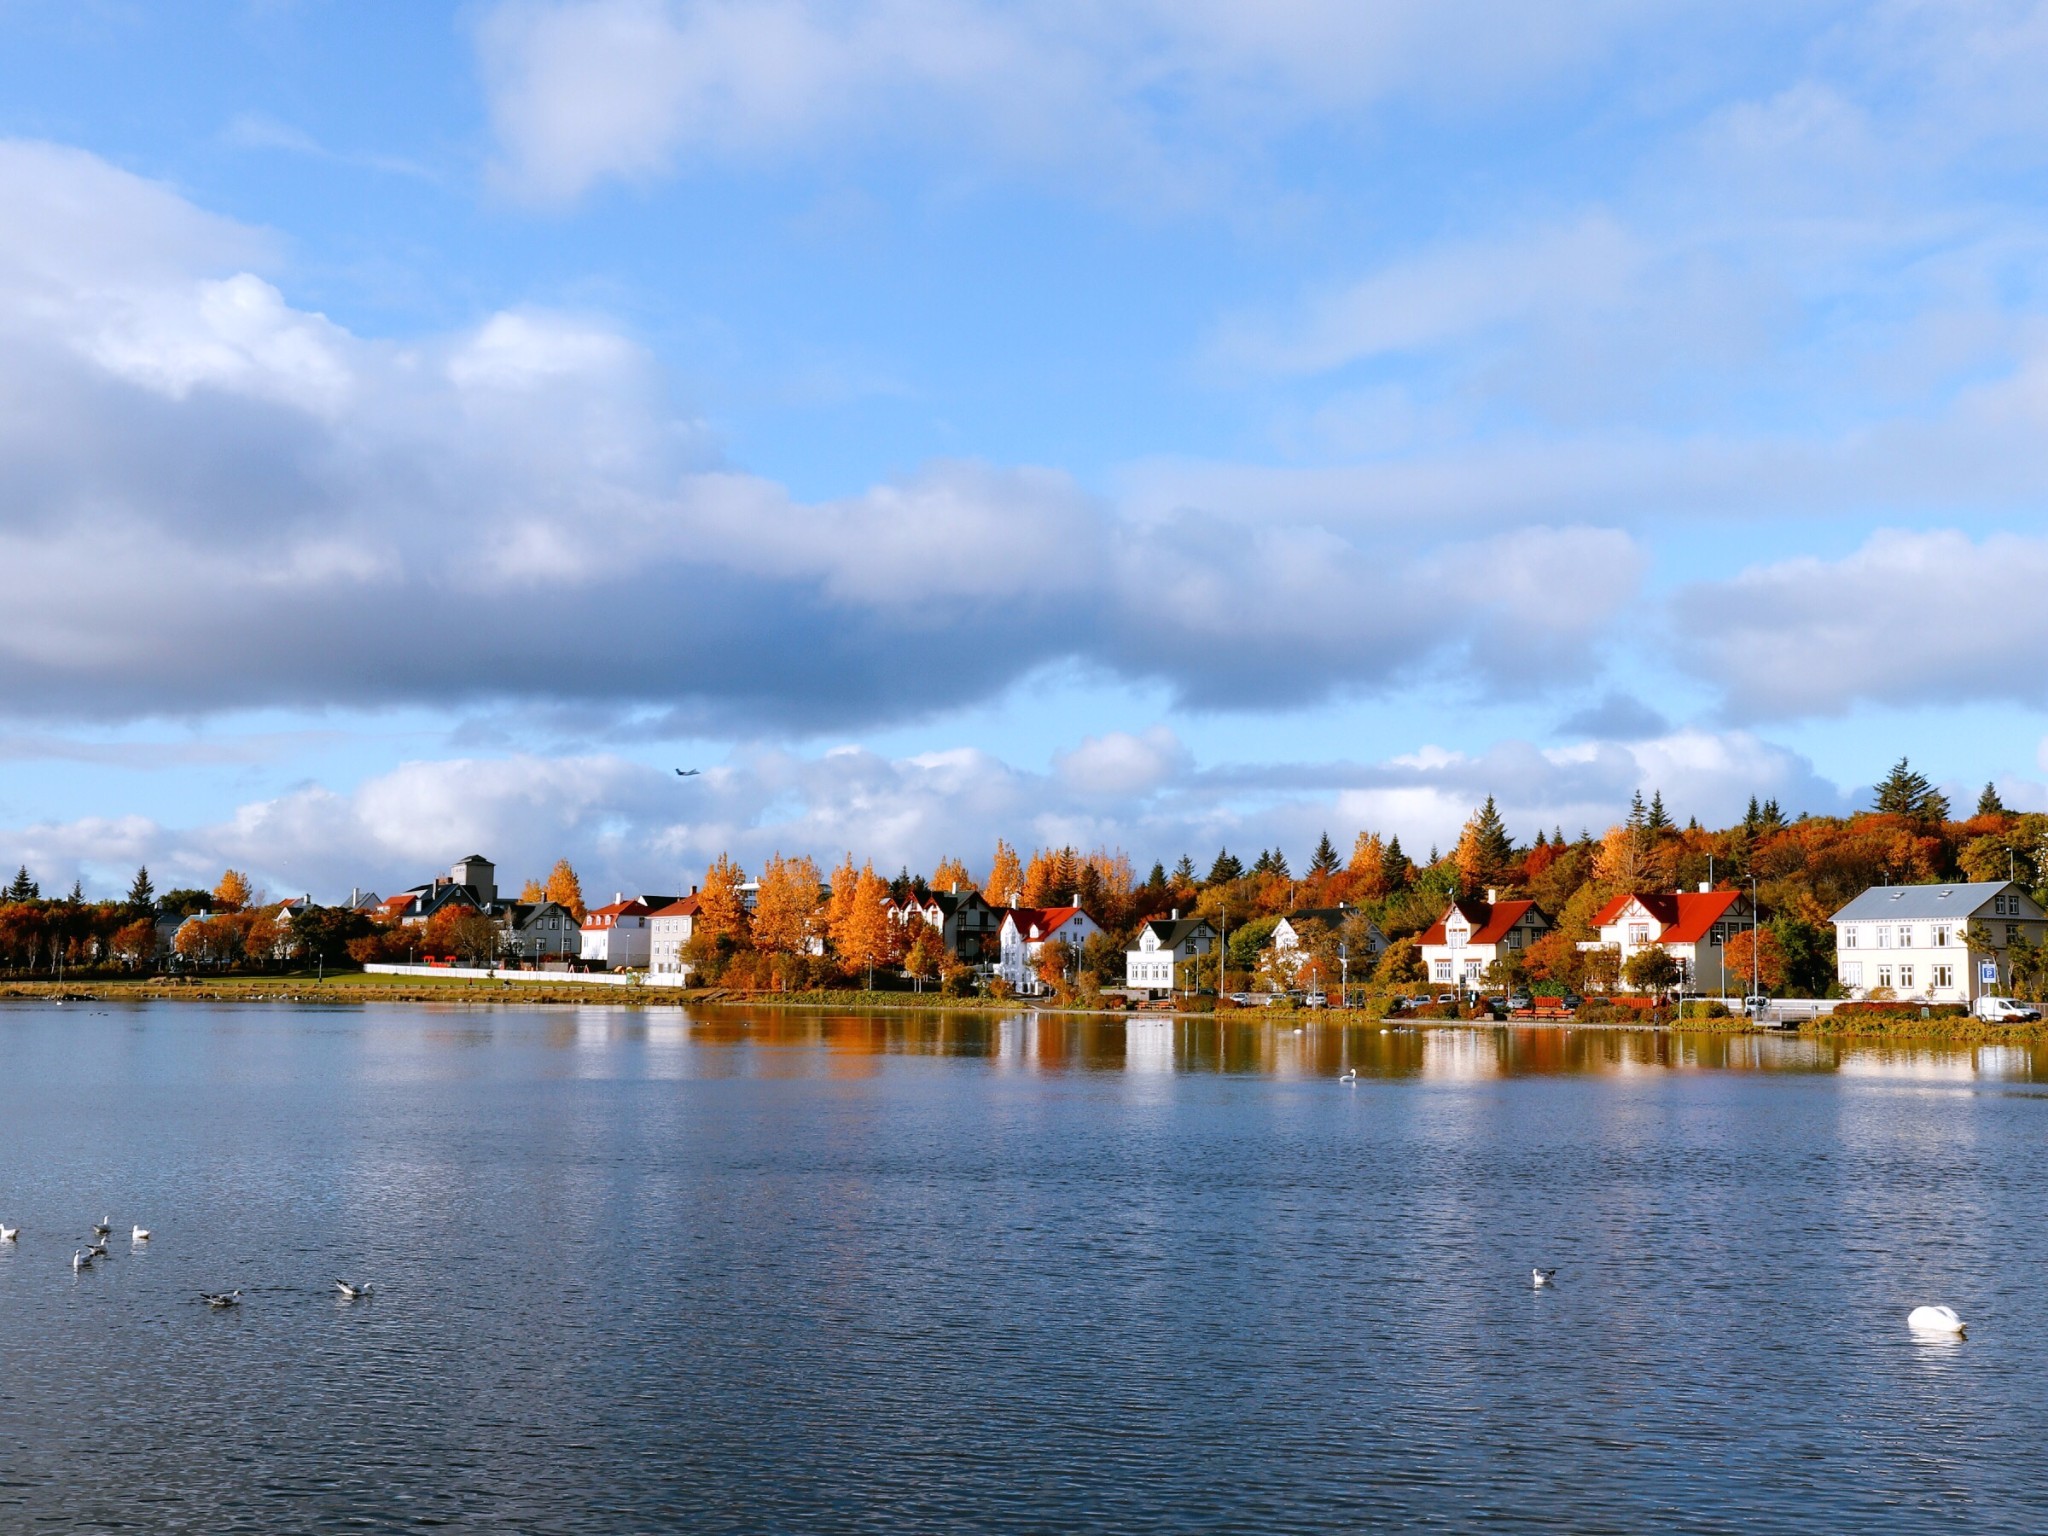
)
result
[(1910, 940), (668, 931), (616, 936), (1164, 943), (1459, 946), (1692, 926), (1293, 929), (1026, 931)]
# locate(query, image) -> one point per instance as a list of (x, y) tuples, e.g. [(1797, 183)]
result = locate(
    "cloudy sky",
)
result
[(423, 427)]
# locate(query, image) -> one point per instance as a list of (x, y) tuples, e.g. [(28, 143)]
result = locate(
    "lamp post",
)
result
[(1754, 939), (1344, 972)]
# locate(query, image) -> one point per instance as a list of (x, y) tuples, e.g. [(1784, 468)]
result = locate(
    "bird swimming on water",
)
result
[(97, 1250), (9, 1234), (1349, 1077), (103, 1226), (1935, 1320), (351, 1292), (219, 1299), (81, 1260), (1542, 1279), (139, 1235)]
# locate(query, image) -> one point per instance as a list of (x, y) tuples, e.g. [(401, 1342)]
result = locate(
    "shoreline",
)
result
[(352, 989)]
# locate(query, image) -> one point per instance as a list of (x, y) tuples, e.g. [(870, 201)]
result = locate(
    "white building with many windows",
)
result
[(1911, 941), (1459, 946)]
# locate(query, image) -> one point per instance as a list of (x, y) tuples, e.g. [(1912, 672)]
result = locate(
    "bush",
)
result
[(1914, 1011), (1703, 1008)]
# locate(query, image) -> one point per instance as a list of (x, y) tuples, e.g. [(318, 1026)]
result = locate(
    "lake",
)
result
[(638, 1271)]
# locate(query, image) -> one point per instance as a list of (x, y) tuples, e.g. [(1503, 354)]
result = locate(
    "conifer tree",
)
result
[(1279, 865), (1753, 818), (1263, 864), (1225, 868), (1325, 861), (1907, 793), (1484, 849), (77, 896), (1184, 873), (1638, 813), (1772, 819), (1394, 867), (1657, 820), (23, 889), (142, 893), (1156, 881), (1988, 803)]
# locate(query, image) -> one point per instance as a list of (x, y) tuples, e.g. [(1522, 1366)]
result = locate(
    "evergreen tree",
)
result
[(1692, 823), (1263, 864), (1224, 869), (1638, 813), (1325, 862), (1988, 803), (1484, 850), (142, 894), (23, 889), (77, 896), (1184, 872), (1540, 842), (1772, 819), (1907, 793), (1394, 866), (1156, 881), (1753, 818), (1279, 865), (1657, 820)]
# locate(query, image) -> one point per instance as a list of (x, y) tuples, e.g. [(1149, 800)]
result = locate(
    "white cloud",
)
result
[(220, 501), (1147, 94), (631, 826), (1907, 619)]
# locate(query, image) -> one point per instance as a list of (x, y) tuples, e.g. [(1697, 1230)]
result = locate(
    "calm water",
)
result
[(637, 1272)]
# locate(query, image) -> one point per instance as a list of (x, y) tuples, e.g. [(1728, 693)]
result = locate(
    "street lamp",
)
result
[(1344, 972), (1754, 941)]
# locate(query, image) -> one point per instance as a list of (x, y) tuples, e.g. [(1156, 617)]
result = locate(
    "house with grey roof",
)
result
[(1164, 943), (1912, 941)]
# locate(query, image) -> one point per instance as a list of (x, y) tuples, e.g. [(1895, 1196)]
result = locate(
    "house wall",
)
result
[(621, 944), (1928, 961)]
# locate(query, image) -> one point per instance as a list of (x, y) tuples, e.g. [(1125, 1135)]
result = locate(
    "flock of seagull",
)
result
[(95, 1249)]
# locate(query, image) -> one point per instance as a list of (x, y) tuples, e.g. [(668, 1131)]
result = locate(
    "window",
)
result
[(1639, 933), (1849, 931), (1852, 973), (1944, 976), (1719, 934), (1998, 905), (1884, 975), (1940, 937), (1884, 936), (1906, 976), (1905, 936), (1443, 970)]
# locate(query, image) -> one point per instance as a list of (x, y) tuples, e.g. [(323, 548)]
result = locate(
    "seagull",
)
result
[(103, 1226), (81, 1260), (139, 1235), (688, 773), (351, 1292), (1542, 1278), (9, 1234), (98, 1250), (218, 1299)]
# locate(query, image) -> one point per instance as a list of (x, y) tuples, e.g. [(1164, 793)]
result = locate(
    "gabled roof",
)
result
[(687, 907), (1682, 917), (633, 906), (1917, 903), (1490, 924), (1174, 932), (1334, 916), (1048, 920)]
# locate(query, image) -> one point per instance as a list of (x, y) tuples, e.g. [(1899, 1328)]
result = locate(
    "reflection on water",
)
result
[(1057, 1042), (769, 1270)]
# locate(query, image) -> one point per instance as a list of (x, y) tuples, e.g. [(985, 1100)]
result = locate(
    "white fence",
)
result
[(545, 978)]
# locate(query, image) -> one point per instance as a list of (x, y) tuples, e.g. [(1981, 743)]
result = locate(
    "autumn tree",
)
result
[(1053, 964), (565, 890), (231, 892), (1770, 959), (1005, 877), (951, 875), (721, 906), (533, 892), (927, 952), (135, 944), (786, 916), (1654, 970), (867, 937)]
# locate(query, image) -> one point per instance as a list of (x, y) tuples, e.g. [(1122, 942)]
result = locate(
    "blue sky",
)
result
[(1148, 424)]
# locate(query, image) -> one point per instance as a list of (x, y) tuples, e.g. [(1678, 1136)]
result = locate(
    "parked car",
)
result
[(1573, 1001), (2005, 1010), (1520, 1000), (1447, 997), (1753, 1007), (1315, 1000)]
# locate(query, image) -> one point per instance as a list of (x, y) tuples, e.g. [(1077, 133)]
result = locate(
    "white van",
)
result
[(2006, 1010)]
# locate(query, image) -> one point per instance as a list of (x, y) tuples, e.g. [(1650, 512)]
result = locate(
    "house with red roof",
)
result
[(1692, 925), (1459, 946), (669, 929), (1025, 932), (616, 936)]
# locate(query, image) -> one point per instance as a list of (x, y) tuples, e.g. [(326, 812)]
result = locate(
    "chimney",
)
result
[(956, 887), (1173, 916), (1706, 886), (618, 896), (1492, 895), (1076, 901), (1016, 898)]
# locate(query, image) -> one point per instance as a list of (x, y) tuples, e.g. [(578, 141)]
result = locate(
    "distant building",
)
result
[(1289, 932), (669, 929), (1459, 946), (1025, 931), (1690, 926), (1911, 940), (1164, 944), (538, 930), (969, 927), (616, 936)]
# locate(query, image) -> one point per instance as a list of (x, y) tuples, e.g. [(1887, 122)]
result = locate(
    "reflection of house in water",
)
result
[(1460, 1054), (1148, 1045), (1955, 1065), (2004, 1061)]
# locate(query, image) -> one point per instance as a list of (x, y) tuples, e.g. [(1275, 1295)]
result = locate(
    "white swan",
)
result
[(9, 1234), (1941, 1320), (1349, 1077), (139, 1235), (1542, 1278)]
